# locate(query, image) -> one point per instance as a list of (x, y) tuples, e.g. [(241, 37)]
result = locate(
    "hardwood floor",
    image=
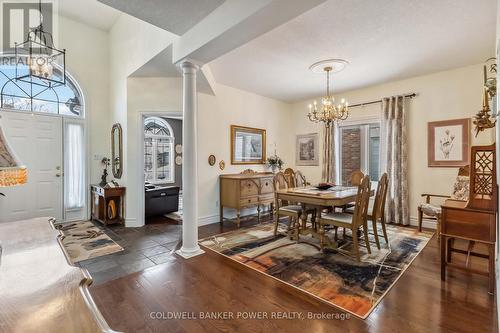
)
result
[(419, 302)]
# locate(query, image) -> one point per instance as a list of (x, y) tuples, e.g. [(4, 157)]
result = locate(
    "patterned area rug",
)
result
[(333, 277), (83, 240)]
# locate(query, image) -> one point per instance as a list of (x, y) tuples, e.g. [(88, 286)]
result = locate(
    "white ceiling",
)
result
[(383, 40), (90, 12), (175, 16)]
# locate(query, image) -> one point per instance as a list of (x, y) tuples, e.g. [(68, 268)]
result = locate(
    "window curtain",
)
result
[(394, 159), (74, 168), (329, 163)]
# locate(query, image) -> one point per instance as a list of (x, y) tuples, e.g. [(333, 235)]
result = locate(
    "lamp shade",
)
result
[(12, 171)]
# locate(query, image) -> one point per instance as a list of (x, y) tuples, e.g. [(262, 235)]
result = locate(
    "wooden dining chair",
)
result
[(376, 209), (283, 208), (351, 221), (356, 177), (290, 177), (300, 179)]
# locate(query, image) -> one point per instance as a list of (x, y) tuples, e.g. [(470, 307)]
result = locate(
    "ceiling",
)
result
[(175, 16), (161, 66), (383, 40), (90, 12)]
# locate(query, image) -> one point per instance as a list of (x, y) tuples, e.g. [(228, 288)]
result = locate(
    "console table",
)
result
[(102, 198), (246, 189), (475, 220)]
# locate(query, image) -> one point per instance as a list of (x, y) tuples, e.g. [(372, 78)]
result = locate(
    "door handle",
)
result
[(58, 175)]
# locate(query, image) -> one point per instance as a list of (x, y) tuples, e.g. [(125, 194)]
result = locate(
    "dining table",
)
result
[(310, 197)]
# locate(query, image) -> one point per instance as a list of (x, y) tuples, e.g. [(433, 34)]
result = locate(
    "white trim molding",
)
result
[(426, 223), (132, 223), (206, 220)]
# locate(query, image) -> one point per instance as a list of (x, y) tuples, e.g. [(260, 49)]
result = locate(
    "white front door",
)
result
[(37, 141)]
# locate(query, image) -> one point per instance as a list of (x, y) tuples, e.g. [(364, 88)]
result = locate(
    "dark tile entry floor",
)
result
[(144, 247)]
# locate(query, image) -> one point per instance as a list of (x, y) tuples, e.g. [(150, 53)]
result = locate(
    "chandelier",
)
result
[(327, 111), (37, 58)]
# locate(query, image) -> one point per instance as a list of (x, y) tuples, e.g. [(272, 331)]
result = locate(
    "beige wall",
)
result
[(87, 61), (215, 115), (444, 95)]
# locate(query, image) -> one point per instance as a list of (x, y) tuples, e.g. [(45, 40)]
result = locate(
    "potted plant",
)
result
[(275, 163)]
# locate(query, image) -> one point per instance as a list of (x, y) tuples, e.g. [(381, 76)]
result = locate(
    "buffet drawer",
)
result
[(250, 201), (249, 188), (266, 185)]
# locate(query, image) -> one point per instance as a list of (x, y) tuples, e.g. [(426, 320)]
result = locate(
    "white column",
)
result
[(190, 247)]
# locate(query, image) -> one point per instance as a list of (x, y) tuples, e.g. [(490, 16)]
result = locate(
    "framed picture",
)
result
[(448, 143), (248, 145), (307, 149)]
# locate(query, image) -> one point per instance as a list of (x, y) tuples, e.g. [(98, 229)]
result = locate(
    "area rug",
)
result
[(83, 240), (333, 277)]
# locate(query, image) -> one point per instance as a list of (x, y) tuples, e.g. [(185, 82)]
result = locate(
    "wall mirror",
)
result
[(117, 151), (248, 145)]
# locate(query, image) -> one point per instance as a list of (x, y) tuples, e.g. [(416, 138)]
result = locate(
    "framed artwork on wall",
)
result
[(448, 143), (307, 149), (248, 145)]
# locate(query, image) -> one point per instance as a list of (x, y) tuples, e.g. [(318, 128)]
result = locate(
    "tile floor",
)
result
[(144, 247)]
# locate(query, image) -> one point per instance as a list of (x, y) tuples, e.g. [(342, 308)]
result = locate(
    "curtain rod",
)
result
[(380, 101)]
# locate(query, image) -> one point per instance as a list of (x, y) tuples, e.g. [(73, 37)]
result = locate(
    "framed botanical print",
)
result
[(307, 149), (248, 145), (448, 143)]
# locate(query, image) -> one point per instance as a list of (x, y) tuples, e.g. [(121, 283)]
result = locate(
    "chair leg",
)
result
[(365, 234), (336, 236), (420, 217), (276, 221), (356, 245), (382, 221), (321, 236), (290, 229), (297, 228), (375, 232), (258, 214)]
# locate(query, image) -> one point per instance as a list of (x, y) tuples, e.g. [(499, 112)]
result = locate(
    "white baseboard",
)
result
[(132, 223), (426, 223), (216, 218), (208, 220)]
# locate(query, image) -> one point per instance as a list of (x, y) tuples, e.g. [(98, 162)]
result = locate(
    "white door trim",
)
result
[(141, 210)]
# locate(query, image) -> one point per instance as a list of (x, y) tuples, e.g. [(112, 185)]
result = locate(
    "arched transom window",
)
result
[(65, 100), (158, 151)]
